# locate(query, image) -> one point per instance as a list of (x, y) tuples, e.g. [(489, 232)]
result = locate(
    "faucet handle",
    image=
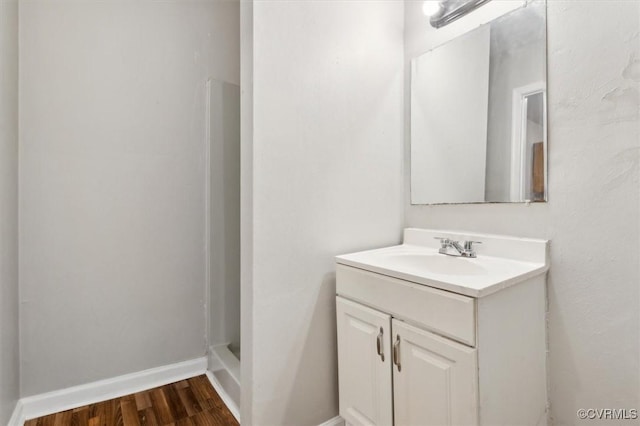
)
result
[(468, 245), (444, 243)]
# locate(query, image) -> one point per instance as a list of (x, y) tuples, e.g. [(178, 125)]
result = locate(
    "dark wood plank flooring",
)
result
[(191, 402)]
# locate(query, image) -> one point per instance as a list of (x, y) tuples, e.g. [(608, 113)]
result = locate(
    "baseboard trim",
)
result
[(220, 357), (336, 421), (224, 396), (17, 418), (102, 390)]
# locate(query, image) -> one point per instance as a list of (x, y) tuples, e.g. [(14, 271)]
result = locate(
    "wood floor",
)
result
[(191, 402)]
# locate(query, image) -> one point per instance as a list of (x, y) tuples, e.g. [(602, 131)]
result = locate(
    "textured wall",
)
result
[(592, 217), (327, 159), (9, 361), (112, 180)]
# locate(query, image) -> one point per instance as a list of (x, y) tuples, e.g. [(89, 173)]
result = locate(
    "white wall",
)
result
[(9, 348), (246, 210), (112, 227), (327, 179), (592, 217), (224, 212)]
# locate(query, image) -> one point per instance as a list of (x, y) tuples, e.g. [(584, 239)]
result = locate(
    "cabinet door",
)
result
[(364, 363), (435, 379)]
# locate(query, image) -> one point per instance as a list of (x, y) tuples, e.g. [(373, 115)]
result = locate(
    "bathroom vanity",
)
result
[(426, 338)]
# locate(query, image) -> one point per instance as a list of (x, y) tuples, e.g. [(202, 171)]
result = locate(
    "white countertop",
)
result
[(500, 263)]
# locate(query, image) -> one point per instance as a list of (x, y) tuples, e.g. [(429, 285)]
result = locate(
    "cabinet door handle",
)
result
[(379, 345), (396, 353)]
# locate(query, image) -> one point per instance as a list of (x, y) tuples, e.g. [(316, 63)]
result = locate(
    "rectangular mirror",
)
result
[(478, 114)]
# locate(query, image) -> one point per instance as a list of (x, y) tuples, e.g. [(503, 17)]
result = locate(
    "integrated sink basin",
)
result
[(436, 264), (501, 261)]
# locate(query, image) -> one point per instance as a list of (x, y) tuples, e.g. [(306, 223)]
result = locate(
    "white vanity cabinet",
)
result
[(434, 379), (365, 364), (413, 354)]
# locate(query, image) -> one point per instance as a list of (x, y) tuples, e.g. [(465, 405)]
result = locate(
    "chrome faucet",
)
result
[(465, 250)]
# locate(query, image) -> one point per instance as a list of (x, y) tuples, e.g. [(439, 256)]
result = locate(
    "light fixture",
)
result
[(432, 7), (447, 11)]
